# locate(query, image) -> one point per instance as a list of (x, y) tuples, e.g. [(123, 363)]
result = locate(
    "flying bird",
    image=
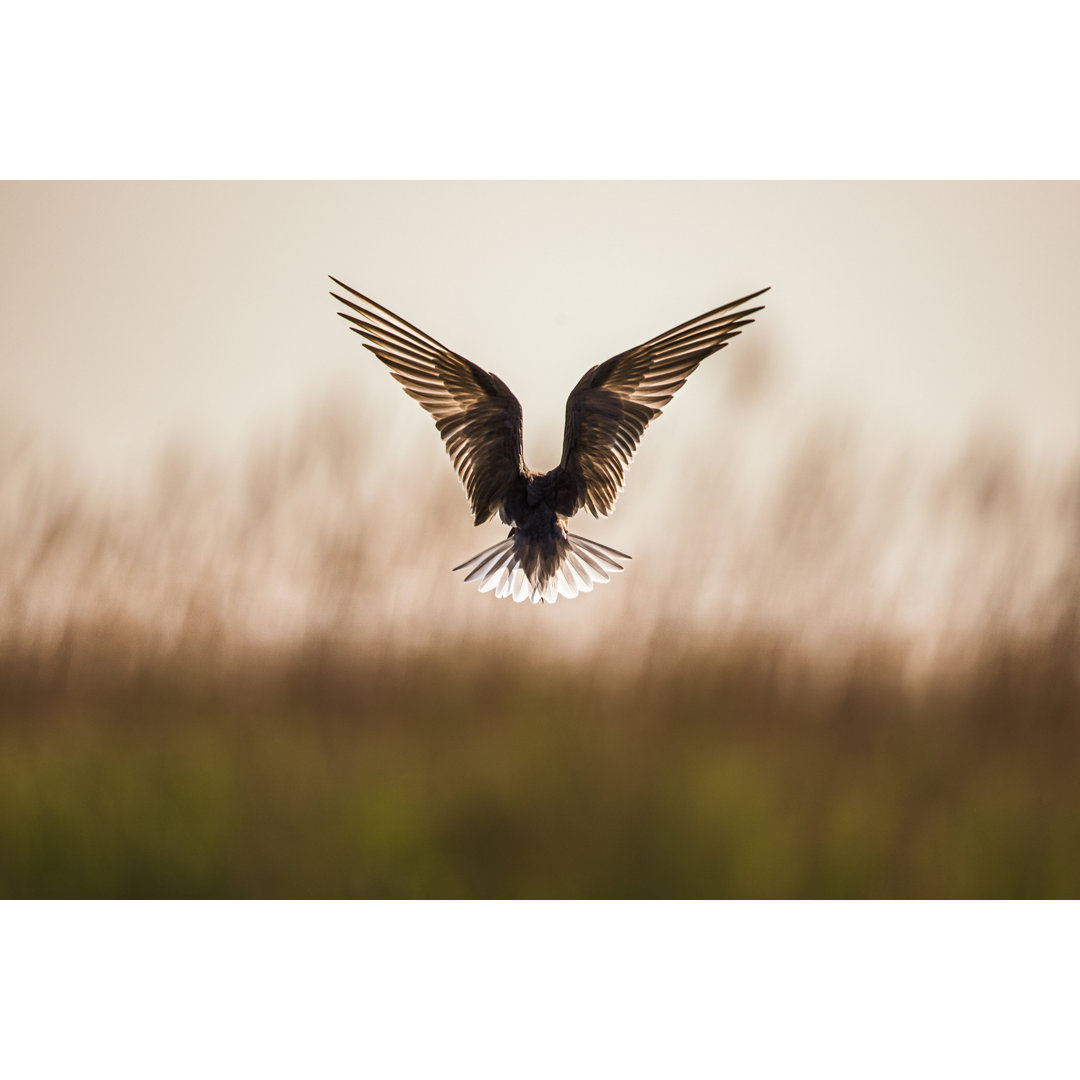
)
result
[(479, 419)]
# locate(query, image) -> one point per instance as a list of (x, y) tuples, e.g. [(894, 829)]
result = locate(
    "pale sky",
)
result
[(137, 313)]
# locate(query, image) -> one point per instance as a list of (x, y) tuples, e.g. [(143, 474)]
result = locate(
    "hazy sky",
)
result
[(135, 313)]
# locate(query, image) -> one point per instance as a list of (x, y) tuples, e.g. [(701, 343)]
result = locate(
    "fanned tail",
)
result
[(512, 569)]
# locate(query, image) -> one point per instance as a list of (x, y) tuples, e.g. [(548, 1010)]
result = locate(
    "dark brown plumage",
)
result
[(479, 419)]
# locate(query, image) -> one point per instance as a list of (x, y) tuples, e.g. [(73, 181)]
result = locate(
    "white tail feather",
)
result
[(584, 565)]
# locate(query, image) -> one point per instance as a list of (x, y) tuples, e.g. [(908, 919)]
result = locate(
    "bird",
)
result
[(480, 422)]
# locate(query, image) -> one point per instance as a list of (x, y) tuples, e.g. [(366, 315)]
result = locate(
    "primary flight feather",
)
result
[(479, 419)]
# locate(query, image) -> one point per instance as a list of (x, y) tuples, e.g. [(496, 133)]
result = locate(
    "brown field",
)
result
[(838, 676)]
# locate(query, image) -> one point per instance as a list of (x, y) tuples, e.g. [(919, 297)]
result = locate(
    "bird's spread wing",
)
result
[(476, 414), (608, 411)]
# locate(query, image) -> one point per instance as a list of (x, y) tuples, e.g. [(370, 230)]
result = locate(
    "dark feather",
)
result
[(477, 416), (609, 409)]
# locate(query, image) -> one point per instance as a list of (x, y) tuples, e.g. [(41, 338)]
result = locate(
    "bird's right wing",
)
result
[(609, 409), (475, 412)]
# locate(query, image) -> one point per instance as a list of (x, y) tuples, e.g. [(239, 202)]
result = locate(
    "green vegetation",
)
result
[(703, 777), (201, 690)]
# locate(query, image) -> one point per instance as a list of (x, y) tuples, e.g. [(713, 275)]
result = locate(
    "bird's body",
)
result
[(480, 421)]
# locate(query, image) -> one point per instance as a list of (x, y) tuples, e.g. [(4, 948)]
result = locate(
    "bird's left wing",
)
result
[(475, 412), (609, 409)]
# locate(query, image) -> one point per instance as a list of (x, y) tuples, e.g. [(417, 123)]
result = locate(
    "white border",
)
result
[(570, 89), (539, 989)]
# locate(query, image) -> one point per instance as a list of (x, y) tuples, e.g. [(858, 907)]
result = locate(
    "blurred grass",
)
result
[(310, 775), (264, 683)]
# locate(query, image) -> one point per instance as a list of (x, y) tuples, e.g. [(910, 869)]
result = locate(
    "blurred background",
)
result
[(844, 658)]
